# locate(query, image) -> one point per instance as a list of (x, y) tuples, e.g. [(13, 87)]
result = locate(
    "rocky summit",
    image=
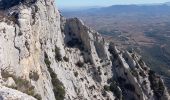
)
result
[(44, 56)]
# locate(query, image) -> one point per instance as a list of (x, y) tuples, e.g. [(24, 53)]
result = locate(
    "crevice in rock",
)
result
[(27, 45), (15, 46)]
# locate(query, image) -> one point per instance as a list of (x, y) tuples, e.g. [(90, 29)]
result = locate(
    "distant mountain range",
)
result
[(168, 3), (164, 8), (145, 8)]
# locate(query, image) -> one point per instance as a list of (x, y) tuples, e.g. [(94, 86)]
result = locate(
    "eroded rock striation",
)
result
[(44, 56)]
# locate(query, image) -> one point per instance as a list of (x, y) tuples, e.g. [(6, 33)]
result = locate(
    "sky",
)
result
[(88, 3)]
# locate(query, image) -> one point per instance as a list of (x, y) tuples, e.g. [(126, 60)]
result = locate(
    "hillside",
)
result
[(144, 28), (44, 56)]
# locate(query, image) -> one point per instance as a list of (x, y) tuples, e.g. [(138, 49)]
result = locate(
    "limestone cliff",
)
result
[(44, 56)]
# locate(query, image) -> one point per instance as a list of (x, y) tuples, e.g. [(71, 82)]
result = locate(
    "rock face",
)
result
[(11, 94), (48, 57)]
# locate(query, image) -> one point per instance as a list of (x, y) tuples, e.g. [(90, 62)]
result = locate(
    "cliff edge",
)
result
[(44, 56)]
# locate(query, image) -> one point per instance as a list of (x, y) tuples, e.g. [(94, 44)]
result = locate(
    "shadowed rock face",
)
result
[(6, 4)]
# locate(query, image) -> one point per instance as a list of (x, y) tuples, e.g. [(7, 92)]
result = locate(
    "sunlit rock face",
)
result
[(45, 56)]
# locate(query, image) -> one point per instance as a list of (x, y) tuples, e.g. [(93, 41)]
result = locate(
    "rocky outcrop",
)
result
[(48, 57), (11, 94)]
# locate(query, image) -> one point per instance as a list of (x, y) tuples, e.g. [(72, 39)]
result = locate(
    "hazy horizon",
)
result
[(63, 4)]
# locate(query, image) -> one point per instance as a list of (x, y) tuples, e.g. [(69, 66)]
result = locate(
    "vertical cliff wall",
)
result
[(47, 57)]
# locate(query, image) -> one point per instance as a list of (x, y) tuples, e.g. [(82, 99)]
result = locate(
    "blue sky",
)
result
[(85, 3)]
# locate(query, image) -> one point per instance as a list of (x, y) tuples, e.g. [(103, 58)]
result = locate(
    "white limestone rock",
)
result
[(10, 82), (38, 29), (11, 94)]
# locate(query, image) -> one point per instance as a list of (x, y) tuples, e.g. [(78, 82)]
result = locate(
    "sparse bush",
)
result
[(58, 88), (94, 96), (156, 84), (114, 88), (46, 60), (108, 63), (92, 87), (133, 56), (144, 82), (145, 68), (101, 61), (20, 33), (75, 74), (80, 64), (141, 63), (104, 93), (106, 88), (5, 74), (66, 59), (110, 80), (33, 75), (99, 71), (22, 85), (134, 73), (58, 56), (105, 73), (111, 48), (142, 74), (81, 79)]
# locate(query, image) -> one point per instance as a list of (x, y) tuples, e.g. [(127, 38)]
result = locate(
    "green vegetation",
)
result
[(156, 84), (111, 48), (75, 74), (134, 73), (141, 63), (106, 88), (80, 64), (99, 70), (46, 60), (114, 88), (105, 73), (141, 73), (22, 85), (58, 56), (66, 59), (34, 76), (112, 51), (58, 88), (101, 61)]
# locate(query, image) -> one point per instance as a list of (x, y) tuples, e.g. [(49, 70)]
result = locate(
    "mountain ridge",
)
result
[(49, 57)]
